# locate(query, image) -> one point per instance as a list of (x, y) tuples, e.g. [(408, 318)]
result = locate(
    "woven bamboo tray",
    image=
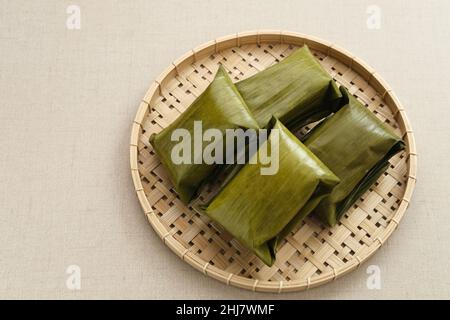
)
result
[(312, 254)]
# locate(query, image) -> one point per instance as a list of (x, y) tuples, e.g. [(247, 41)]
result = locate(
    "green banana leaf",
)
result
[(220, 107), (356, 146), (260, 210), (296, 90)]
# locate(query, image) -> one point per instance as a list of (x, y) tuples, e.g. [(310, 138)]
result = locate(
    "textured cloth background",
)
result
[(68, 98)]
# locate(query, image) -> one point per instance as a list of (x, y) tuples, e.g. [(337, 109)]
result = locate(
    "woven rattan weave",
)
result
[(313, 254)]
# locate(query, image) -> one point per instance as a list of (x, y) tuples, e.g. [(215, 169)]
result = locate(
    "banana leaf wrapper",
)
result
[(356, 146), (297, 90), (220, 107), (260, 210)]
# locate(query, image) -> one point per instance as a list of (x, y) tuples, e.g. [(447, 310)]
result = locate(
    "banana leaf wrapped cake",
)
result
[(261, 209), (356, 146), (260, 202), (296, 90), (219, 107)]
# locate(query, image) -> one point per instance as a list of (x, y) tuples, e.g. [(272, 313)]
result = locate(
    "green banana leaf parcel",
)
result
[(296, 90), (219, 107), (260, 210), (356, 146)]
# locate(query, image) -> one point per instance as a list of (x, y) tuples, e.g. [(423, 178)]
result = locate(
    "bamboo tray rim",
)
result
[(259, 37)]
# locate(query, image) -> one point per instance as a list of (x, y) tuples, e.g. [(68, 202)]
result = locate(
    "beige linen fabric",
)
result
[(68, 98)]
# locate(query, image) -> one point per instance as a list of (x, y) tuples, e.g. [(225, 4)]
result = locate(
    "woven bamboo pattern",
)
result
[(311, 255)]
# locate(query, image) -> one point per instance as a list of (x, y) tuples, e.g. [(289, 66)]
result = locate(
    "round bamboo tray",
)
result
[(312, 254)]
